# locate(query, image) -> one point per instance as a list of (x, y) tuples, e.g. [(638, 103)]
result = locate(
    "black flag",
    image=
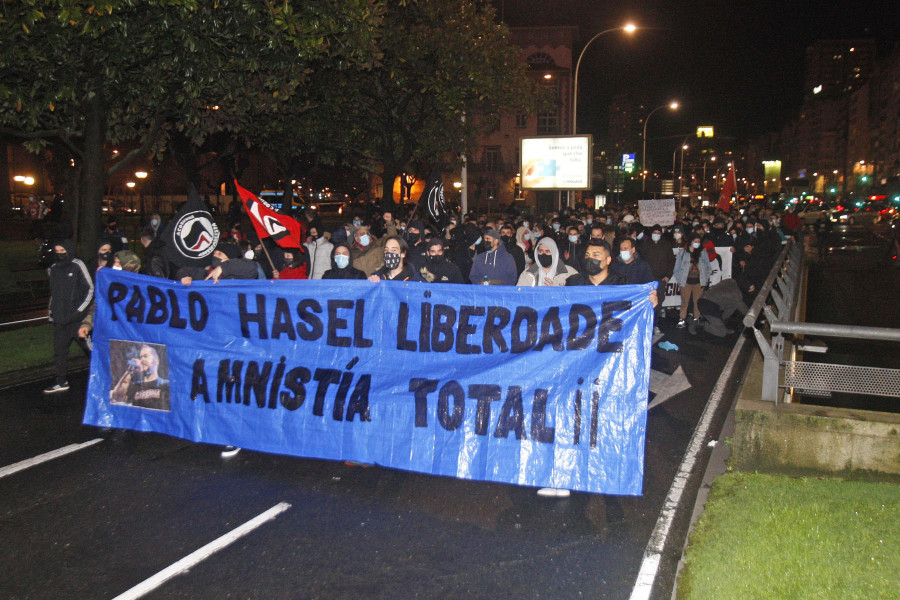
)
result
[(192, 235), (432, 200)]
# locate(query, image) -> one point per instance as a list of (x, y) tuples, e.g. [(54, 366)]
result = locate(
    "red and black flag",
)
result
[(269, 223), (191, 237), (432, 199)]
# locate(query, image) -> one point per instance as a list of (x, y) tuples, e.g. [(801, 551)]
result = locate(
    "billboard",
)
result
[(556, 163)]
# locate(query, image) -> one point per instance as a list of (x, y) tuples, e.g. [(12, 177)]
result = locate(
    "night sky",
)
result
[(735, 65)]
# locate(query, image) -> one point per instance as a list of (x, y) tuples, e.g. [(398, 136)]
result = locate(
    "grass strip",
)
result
[(769, 536), (29, 347)]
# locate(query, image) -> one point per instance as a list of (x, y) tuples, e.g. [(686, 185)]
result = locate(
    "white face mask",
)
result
[(341, 260), (655, 237), (478, 241), (364, 240), (750, 230), (116, 268), (625, 255), (573, 239), (249, 255), (695, 245)]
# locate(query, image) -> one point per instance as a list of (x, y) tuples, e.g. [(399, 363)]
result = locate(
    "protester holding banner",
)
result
[(439, 269), (226, 264), (692, 269), (548, 269), (396, 267), (340, 264)]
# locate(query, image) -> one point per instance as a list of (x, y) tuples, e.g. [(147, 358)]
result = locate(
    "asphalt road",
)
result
[(97, 522)]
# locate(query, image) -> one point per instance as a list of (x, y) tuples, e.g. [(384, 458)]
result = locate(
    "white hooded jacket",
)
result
[(559, 271)]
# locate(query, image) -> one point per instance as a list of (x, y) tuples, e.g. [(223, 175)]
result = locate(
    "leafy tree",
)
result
[(447, 73), (85, 73)]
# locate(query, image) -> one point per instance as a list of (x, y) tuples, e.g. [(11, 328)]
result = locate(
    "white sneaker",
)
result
[(553, 493), (230, 451), (58, 387)]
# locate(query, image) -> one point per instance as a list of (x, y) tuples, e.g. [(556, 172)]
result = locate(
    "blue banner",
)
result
[(531, 386)]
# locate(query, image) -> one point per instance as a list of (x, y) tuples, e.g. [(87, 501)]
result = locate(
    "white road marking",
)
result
[(36, 460), (653, 552), (197, 556)]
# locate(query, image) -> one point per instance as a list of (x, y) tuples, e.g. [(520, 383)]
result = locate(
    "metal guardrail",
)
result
[(777, 300)]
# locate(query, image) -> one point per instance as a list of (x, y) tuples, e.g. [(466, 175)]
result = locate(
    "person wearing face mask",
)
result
[(318, 248), (71, 294), (495, 266), (631, 266), (509, 242), (124, 260), (415, 239), (657, 250), (395, 268), (155, 262), (340, 264), (226, 263), (692, 270), (548, 269), (155, 225), (367, 252), (114, 236), (439, 269), (523, 241), (103, 258), (572, 250)]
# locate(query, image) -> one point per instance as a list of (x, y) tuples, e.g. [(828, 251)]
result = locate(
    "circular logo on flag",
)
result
[(196, 235)]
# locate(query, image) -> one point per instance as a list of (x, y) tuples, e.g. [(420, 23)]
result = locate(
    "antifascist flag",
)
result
[(268, 223), (432, 199), (728, 190), (191, 237)]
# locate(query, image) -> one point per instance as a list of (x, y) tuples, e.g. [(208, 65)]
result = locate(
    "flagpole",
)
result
[(271, 264)]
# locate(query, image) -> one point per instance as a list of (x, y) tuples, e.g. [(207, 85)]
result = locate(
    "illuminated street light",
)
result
[(130, 185), (671, 106), (140, 174), (628, 28)]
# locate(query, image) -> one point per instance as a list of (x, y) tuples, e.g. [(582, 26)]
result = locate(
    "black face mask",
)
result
[(62, 257), (105, 256), (436, 259), (506, 239), (215, 262), (412, 238), (593, 266), (545, 259)]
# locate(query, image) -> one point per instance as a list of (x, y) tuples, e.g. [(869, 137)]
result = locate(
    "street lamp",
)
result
[(670, 105), (628, 28)]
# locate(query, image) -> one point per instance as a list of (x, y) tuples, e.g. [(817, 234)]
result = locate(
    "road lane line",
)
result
[(197, 556), (36, 460), (653, 552)]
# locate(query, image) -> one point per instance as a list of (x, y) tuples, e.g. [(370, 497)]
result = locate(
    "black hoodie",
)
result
[(71, 288), (348, 272)]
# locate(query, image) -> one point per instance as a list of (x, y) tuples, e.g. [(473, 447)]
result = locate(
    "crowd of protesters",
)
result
[(573, 246)]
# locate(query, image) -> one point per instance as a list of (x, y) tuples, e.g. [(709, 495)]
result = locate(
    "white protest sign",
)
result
[(657, 212)]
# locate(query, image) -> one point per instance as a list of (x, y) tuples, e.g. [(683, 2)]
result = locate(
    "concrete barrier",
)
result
[(803, 439)]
